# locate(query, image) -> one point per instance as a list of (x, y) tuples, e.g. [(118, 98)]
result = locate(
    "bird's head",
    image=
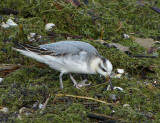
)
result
[(104, 67)]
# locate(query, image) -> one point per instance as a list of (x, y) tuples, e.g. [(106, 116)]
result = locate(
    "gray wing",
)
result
[(68, 47)]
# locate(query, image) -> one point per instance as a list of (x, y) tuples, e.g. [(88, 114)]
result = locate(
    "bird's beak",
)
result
[(108, 78)]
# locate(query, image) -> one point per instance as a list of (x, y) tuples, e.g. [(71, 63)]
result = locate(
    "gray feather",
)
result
[(69, 47)]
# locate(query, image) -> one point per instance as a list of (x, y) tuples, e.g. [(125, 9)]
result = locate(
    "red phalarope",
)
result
[(69, 57)]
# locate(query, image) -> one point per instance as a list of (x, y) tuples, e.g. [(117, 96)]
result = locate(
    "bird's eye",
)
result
[(102, 68)]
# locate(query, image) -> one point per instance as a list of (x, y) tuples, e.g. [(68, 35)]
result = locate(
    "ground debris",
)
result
[(74, 2), (6, 69), (103, 21), (103, 117), (4, 117), (120, 47), (156, 9), (146, 43), (82, 97), (8, 11), (24, 111)]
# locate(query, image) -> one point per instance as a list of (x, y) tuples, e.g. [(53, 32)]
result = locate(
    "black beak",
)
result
[(110, 84)]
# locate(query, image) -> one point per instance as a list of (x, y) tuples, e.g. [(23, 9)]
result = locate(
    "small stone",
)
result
[(150, 115), (113, 97)]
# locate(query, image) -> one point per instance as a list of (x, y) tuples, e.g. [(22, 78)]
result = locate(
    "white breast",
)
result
[(69, 63)]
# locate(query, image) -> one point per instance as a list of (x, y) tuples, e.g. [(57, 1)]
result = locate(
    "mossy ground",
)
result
[(33, 82)]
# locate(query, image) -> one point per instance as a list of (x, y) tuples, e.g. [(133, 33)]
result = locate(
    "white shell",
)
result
[(119, 88), (32, 34), (126, 36), (41, 106), (121, 71), (118, 76), (4, 25), (11, 23), (1, 79), (49, 26), (126, 105), (4, 109)]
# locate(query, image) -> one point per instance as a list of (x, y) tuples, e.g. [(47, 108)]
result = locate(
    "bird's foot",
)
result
[(81, 84)]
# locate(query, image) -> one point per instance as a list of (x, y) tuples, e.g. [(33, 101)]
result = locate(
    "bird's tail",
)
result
[(27, 47), (30, 51), (30, 48)]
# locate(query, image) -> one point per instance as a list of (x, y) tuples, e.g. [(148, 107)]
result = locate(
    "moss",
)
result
[(34, 82)]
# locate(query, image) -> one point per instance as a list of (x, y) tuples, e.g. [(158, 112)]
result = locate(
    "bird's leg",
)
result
[(79, 85), (73, 80), (60, 78)]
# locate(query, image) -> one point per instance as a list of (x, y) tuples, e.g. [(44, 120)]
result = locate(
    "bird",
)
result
[(69, 57)]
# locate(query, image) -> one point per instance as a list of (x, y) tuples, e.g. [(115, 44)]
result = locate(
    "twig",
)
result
[(104, 117), (58, 6), (142, 56), (82, 97), (46, 102), (120, 26), (102, 33), (99, 116)]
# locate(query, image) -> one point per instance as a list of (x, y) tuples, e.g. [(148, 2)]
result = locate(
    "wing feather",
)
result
[(61, 48), (70, 47)]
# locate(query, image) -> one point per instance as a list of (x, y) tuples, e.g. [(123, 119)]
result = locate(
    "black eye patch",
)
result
[(102, 68), (104, 61)]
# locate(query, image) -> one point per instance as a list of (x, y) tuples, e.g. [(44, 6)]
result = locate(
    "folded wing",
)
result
[(60, 48)]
